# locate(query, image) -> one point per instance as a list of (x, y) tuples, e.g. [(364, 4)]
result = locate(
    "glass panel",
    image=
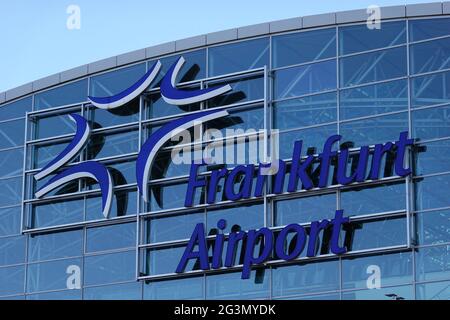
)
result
[(11, 192), (124, 203), (374, 99), (104, 145), (110, 268), (307, 111), (433, 291), (301, 47), (101, 118), (111, 83), (251, 120), (178, 289), (359, 38), (166, 260), (12, 134), (430, 90), (11, 163), (244, 89), (393, 269), (305, 209), (430, 56), (240, 56), (230, 286), (52, 126), (156, 107), (123, 172), (429, 28), (59, 295), (52, 275), (433, 263), (15, 109), (373, 66), (43, 154), (12, 280), (431, 192), (319, 297), (171, 196), (384, 232), (390, 293), (362, 132), (433, 227), (247, 217), (306, 278), (57, 213), (173, 227), (10, 221), (123, 291), (111, 237), (312, 137), (431, 123), (434, 159), (193, 69), (12, 250), (68, 94), (374, 199), (55, 245), (306, 79)]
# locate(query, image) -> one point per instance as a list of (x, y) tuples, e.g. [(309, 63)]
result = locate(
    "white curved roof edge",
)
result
[(292, 24)]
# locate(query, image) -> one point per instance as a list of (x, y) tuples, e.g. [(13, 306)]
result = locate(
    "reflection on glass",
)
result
[(178, 289), (110, 268), (104, 145), (55, 245), (430, 192), (111, 237), (12, 280), (71, 93), (11, 163), (428, 28), (433, 263), (431, 123), (123, 291), (12, 133), (52, 126), (430, 90), (15, 109), (433, 227), (12, 250)]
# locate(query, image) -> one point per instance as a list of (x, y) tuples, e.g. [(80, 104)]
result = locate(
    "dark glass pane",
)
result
[(57, 213), (430, 56), (158, 108), (11, 192), (239, 121), (12, 280), (434, 159), (240, 56), (307, 111), (390, 293), (55, 245), (172, 228), (171, 196), (11, 163), (433, 263), (12, 250), (124, 203), (104, 145), (431, 192), (166, 260), (431, 123), (243, 90), (12, 134), (358, 272), (178, 289), (111, 83), (68, 94), (43, 154), (301, 47), (231, 286), (305, 209), (111, 237), (362, 132), (428, 28), (305, 278), (10, 221), (15, 109), (373, 66), (430, 90), (52, 275), (359, 38), (116, 267), (297, 81), (52, 126), (374, 199), (433, 227), (123, 172), (245, 217), (101, 118), (123, 291), (374, 99)]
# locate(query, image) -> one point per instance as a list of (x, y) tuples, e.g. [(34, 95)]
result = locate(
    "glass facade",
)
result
[(366, 85)]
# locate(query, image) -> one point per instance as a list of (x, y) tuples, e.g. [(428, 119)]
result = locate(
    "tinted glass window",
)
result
[(12, 133), (12, 250), (111, 237), (123, 291), (430, 90), (246, 217), (434, 159), (12, 280), (430, 56), (189, 288), (11, 192), (428, 28), (433, 263), (430, 192), (59, 295), (124, 203), (57, 213), (433, 227), (104, 145), (231, 286), (390, 293), (360, 38), (431, 123), (52, 126), (55, 245), (101, 118), (11, 163), (68, 94), (303, 47), (238, 56), (110, 268), (433, 291), (15, 109), (10, 221)]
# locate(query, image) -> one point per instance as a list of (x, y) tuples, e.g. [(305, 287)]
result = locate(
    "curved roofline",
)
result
[(256, 30)]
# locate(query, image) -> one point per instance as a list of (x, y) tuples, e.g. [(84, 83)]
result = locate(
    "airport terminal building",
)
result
[(376, 95)]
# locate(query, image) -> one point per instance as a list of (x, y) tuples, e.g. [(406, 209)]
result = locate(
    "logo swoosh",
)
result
[(128, 94)]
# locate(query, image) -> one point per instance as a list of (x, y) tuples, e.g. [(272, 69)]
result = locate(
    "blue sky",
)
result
[(36, 42)]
